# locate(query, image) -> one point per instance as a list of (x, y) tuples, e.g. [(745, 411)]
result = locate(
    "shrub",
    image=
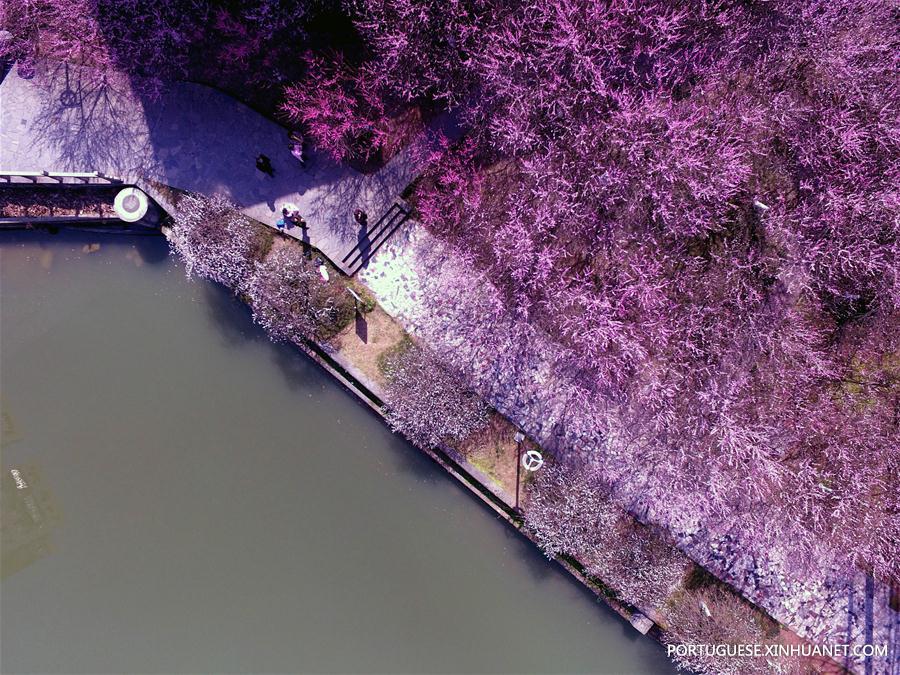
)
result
[(641, 563), (427, 402), (570, 513), (292, 301)]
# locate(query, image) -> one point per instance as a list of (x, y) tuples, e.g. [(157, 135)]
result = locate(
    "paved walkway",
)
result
[(69, 118)]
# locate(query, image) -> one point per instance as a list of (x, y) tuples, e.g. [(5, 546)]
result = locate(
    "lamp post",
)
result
[(357, 301), (519, 437)]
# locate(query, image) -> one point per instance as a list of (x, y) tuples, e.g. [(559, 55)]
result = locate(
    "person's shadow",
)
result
[(306, 242), (363, 241)]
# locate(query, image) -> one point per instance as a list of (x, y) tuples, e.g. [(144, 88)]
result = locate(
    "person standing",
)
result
[(264, 164)]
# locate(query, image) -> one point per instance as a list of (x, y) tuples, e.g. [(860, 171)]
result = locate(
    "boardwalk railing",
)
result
[(56, 177), (68, 182), (374, 238)]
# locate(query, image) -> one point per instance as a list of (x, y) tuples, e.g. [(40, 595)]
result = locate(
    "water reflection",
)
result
[(28, 517), (9, 431)]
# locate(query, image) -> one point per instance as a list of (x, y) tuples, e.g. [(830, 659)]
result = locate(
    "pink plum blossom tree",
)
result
[(699, 203), (164, 40), (338, 107)]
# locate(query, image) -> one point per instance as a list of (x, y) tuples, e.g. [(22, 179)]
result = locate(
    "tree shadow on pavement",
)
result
[(90, 118)]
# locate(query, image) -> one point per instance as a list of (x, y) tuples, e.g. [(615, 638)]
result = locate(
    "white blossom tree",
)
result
[(216, 241), (427, 402), (292, 301)]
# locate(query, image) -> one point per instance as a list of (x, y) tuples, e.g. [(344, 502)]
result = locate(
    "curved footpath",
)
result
[(193, 138), (200, 140)]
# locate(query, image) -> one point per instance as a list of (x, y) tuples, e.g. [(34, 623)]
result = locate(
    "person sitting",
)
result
[(297, 144), (298, 153), (292, 215)]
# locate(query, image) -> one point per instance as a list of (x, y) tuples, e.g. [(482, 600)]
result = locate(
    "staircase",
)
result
[(374, 237)]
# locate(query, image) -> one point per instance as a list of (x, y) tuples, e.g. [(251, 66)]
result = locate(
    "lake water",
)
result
[(181, 495)]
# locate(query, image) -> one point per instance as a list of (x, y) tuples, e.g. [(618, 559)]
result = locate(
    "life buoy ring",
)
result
[(131, 204)]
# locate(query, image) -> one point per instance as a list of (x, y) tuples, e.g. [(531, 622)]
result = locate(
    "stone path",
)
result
[(70, 118)]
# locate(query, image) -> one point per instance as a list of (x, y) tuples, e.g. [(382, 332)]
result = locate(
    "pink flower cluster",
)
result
[(699, 203)]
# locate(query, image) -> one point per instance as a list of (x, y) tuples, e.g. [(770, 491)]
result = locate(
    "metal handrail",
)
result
[(59, 176)]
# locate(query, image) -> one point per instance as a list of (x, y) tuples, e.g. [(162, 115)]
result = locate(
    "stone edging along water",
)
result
[(479, 490)]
